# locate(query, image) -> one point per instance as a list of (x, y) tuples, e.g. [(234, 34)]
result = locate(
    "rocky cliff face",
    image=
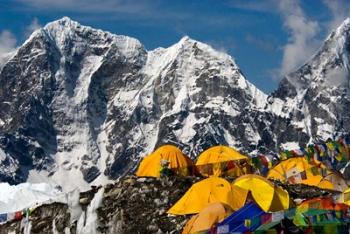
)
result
[(54, 96), (77, 102)]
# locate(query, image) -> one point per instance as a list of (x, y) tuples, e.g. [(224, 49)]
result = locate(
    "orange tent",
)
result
[(150, 166), (212, 214), (220, 160)]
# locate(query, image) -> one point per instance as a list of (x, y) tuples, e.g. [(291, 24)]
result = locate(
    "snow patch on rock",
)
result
[(18, 197), (88, 221)]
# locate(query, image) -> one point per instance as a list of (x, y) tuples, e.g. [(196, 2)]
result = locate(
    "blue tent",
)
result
[(236, 222)]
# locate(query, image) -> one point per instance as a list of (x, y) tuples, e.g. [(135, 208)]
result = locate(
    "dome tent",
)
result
[(220, 160), (207, 218), (204, 192), (268, 196), (300, 171), (345, 197), (150, 166)]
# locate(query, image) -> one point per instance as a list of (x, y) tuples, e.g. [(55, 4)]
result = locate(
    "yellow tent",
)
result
[(297, 170), (334, 181), (221, 159), (325, 184), (212, 189), (212, 214), (345, 197), (268, 196), (150, 166)]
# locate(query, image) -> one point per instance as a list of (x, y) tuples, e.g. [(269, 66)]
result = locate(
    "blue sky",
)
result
[(267, 38)]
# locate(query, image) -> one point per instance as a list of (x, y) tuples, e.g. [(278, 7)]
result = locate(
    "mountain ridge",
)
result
[(86, 104)]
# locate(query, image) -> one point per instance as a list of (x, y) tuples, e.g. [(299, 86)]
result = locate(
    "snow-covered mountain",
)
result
[(81, 106), (315, 98), (84, 104)]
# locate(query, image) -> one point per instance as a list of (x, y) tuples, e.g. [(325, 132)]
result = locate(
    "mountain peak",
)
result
[(345, 25), (341, 34), (186, 39), (328, 67), (64, 24), (64, 21), (187, 44)]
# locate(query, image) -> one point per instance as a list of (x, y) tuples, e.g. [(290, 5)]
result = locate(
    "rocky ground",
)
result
[(301, 191), (131, 205), (140, 205), (44, 219)]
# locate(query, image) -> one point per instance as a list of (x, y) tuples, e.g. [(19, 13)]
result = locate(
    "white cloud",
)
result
[(8, 41), (340, 10), (7, 45), (337, 77), (302, 42), (34, 25), (223, 45)]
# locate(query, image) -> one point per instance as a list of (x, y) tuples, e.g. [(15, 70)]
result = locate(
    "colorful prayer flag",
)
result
[(247, 223), (266, 218), (11, 216), (283, 156), (277, 216), (323, 172), (18, 215), (315, 171), (300, 220), (3, 218), (303, 175)]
